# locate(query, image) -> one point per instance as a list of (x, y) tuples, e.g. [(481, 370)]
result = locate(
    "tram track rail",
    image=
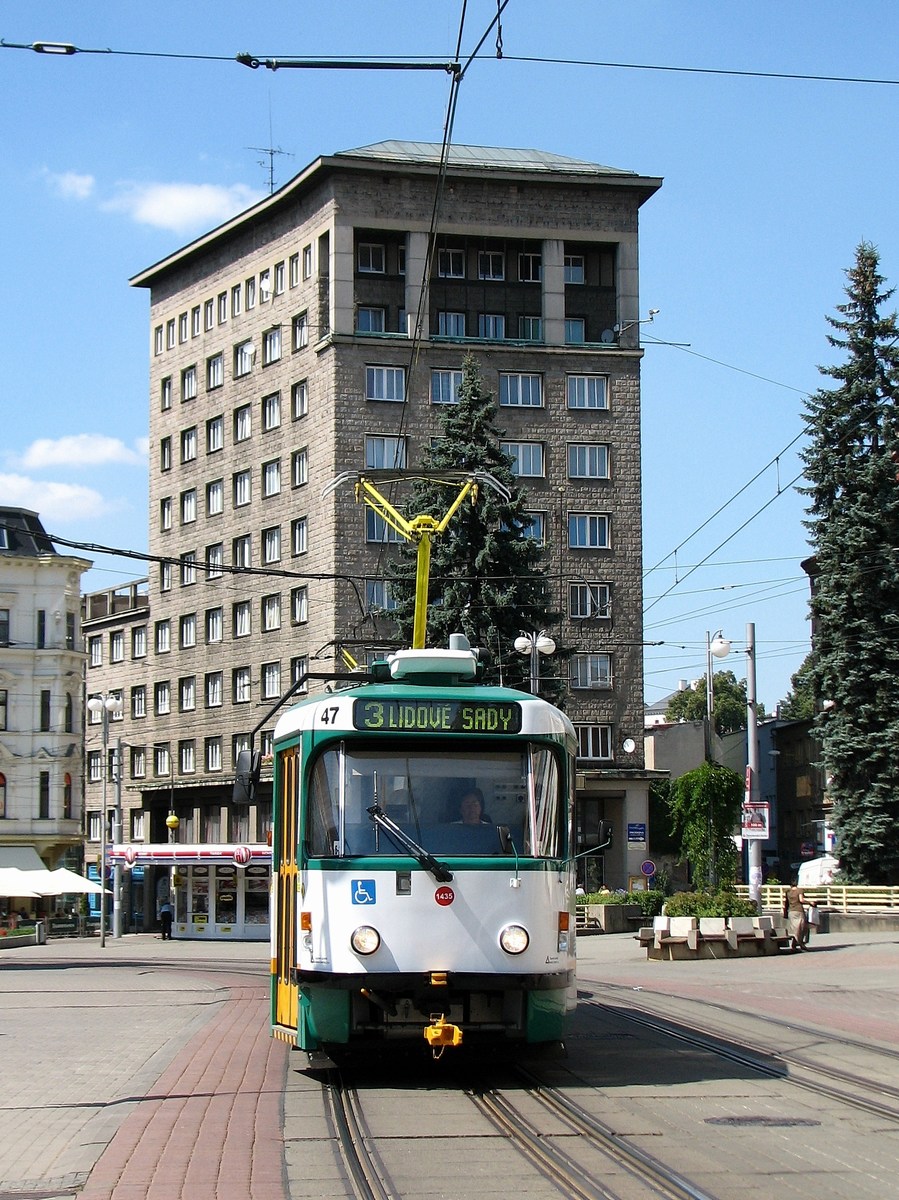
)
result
[(846, 1087), (562, 1168), (366, 1172)]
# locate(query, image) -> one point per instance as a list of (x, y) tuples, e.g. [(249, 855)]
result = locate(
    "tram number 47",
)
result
[(329, 715)]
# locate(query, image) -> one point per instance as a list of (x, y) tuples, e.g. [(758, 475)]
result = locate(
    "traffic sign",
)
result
[(648, 867)]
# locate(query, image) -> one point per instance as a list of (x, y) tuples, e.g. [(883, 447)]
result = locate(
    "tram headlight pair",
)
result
[(514, 939), (365, 939)]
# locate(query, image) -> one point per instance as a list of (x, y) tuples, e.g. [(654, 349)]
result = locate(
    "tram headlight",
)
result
[(365, 939), (514, 939)]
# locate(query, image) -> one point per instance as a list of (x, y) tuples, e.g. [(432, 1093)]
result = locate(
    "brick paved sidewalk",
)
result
[(211, 1127)]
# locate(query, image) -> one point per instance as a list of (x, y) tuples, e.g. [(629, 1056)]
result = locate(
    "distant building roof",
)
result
[(22, 534), (500, 157)]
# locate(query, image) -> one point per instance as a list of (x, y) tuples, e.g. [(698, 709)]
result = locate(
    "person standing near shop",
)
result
[(166, 915)]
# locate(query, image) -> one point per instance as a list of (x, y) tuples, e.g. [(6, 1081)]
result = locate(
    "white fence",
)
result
[(836, 897)]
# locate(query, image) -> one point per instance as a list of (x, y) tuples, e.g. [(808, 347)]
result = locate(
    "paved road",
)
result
[(145, 1070)]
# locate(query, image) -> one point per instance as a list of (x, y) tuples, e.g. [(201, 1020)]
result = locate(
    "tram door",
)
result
[(286, 884)]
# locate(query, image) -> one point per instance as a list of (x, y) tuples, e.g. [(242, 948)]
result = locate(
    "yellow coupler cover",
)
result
[(441, 1033)]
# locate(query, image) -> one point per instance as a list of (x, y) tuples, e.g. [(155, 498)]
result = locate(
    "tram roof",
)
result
[(538, 716)]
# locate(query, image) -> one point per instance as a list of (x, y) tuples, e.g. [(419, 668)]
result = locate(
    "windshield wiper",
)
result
[(441, 873)]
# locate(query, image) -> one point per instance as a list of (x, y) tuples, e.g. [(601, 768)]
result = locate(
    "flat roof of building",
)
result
[(417, 158)]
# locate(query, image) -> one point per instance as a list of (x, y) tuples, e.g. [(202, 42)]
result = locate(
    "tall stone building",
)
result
[(41, 663), (281, 355)]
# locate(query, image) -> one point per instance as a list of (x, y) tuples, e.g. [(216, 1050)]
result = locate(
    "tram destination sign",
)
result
[(437, 716)]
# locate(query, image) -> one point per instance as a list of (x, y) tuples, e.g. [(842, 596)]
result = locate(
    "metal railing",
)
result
[(837, 897)]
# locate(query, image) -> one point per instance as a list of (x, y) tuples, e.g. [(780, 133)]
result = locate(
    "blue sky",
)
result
[(112, 161)]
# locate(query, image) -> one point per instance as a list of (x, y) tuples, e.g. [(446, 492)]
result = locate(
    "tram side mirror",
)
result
[(600, 838), (505, 839), (249, 765)]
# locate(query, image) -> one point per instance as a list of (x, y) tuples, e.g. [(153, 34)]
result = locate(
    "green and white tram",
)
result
[(423, 874)]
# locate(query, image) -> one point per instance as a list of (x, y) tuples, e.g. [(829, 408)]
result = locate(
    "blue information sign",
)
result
[(636, 833)]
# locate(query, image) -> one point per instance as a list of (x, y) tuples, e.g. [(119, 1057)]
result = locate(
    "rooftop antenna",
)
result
[(270, 152)]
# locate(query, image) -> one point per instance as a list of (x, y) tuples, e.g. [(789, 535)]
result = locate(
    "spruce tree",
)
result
[(854, 527), (486, 579)]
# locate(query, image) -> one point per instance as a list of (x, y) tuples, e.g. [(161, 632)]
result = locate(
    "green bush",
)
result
[(649, 903), (709, 904)]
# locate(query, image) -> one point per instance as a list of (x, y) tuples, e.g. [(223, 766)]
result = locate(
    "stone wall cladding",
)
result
[(339, 418)]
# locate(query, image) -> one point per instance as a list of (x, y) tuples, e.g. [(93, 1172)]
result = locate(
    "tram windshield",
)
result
[(452, 803)]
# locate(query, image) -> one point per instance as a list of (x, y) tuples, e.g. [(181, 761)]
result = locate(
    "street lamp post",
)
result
[(535, 644), (107, 706), (716, 646), (752, 766)]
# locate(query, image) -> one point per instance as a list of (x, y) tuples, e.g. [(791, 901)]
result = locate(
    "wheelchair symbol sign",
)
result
[(363, 891)]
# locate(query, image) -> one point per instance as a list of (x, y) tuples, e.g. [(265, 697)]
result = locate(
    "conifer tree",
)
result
[(486, 577), (854, 527)]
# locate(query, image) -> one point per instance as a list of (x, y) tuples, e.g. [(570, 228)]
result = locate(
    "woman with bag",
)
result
[(797, 921)]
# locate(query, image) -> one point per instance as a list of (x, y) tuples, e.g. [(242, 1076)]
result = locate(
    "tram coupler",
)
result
[(440, 1034)]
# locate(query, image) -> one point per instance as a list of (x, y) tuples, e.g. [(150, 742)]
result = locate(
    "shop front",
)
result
[(219, 892)]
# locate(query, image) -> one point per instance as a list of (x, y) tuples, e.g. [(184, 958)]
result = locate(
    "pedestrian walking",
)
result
[(797, 918)]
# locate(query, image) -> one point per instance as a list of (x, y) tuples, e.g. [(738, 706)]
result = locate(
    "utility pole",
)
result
[(752, 766)]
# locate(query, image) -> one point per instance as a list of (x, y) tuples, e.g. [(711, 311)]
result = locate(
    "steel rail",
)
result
[(355, 1140), (746, 1055)]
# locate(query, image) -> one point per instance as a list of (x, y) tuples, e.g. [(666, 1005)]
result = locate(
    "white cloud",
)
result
[(82, 450), (61, 502), (181, 207), (70, 185)]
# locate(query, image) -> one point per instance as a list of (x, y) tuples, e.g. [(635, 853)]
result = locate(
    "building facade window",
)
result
[(270, 680), (575, 331), (299, 467), (445, 386), (244, 353), (530, 329), (370, 320), (165, 394), (590, 671), (188, 384), (187, 631), (138, 701), (214, 625), (271, 411), (215, 560), (451, 263), (491, 264), (241, 682), (271, 613), (300, 331), (594, 742), (215, 434), (451, 324), (243, 488), (243, 422), (139, 641), (385, 383), (587, 391), (165, 513), (189, 444), (299, 536), (189, 506), (527, 458), (117, 646), (530, 268), (215, 372), (377, 530), (492, 326), (271, 346), (588, 460), (187, 694), (385, 452), (271, 544), (94, 649), (299, 399), (517, 390), (213, 755), (214, 689), (242, 551), (588, 531), (378, 597), (589, 601), (574, 268), (215, 497), (163, 637), (165, 454), (242, 619), (187, 757), (271, 478), (370, 258), (299, 605), (162, 698)]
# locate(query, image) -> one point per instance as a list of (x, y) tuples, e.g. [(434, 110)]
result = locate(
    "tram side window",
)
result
[(324, 816)]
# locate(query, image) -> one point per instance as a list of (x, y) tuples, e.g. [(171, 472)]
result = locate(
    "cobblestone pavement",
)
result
[(146, 1070)]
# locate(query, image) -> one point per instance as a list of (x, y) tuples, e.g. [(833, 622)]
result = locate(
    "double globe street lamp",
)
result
[(535, 644), (107, 706)]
